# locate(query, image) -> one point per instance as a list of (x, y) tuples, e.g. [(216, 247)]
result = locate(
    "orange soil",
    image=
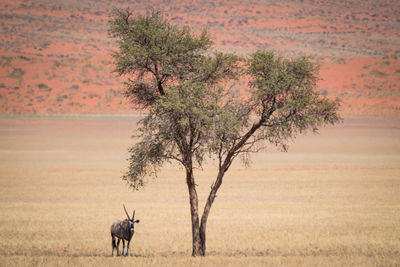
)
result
[(55, 57)]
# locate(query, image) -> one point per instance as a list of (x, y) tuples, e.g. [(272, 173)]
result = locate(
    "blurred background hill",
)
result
[(55, 55)]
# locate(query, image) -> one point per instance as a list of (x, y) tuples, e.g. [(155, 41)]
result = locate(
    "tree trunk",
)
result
[(199, 230), (194, 212), (207, 208), (202, 231)]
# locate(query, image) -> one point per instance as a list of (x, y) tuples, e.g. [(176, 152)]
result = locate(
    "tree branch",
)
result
[(175, 158)]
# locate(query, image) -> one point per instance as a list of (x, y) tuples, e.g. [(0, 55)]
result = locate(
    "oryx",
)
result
[(123, 230)]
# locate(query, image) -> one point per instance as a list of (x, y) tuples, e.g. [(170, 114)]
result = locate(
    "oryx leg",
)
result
[(123, 247), (113, 245), (118, 246), (127, 247)]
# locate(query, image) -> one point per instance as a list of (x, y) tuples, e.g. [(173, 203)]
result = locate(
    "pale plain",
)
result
[(332, 200)]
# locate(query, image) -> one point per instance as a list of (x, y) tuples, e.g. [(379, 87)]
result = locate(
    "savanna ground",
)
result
[(333, 199)]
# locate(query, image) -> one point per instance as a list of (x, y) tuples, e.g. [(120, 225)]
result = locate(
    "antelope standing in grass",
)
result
[(123, 230)]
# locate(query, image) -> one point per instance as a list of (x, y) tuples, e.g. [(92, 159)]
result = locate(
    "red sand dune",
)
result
[(55, 55)]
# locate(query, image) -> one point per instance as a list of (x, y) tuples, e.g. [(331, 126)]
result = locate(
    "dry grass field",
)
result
[(332, 200)]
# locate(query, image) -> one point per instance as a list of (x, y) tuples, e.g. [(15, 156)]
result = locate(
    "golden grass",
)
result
[(332, 200)]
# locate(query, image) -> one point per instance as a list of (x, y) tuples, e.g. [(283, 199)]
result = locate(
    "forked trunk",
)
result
[(199, 229)]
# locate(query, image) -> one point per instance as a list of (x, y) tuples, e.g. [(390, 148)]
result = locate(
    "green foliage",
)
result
[(145, 158), (191, 114), (176, 81), (178, 125), (156, 54), (149, 44), (283, 95)]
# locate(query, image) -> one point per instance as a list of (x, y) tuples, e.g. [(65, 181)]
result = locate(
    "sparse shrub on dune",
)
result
[(378, 73), (43, 87), (17, 73)]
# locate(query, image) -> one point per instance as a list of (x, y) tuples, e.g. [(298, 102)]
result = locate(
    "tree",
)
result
[(191, 113)]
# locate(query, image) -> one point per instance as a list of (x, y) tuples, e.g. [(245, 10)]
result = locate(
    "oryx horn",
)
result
[(126, 212)]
